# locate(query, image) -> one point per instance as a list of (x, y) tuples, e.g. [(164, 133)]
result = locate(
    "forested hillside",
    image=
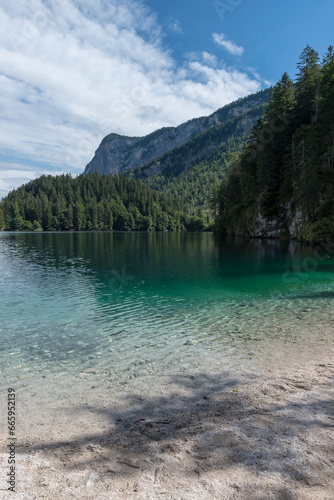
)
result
[(281, 184), (195, 184), (94, 202), (192, 170)]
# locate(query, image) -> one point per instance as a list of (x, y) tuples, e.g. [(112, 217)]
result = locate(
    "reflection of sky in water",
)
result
[(111, 299)]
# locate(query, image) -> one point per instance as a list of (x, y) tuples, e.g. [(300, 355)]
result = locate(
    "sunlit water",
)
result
[(120, 303)]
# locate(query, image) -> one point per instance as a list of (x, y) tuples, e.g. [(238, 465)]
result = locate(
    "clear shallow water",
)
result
[(119, 303)]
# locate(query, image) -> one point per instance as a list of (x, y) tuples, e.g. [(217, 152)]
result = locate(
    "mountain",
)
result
[(117, 154), (282, 183), (193, 169)]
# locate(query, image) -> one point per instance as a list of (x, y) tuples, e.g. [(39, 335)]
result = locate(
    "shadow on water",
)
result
[(217, 426), (323, 294)]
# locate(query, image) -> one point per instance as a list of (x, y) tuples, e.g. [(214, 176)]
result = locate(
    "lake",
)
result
[(130, 304)]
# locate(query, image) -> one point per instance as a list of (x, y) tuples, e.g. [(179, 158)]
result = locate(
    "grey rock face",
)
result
[(289, 224), (110, 156), (296, 221), (118, 153), (267, 228)]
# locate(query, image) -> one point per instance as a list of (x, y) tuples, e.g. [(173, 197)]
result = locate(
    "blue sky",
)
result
[(73, 71), (273, 34)]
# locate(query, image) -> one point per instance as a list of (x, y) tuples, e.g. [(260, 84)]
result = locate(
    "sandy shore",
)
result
[(195, 432)]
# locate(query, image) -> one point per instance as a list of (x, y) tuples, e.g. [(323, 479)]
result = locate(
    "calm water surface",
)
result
[(111, 302)]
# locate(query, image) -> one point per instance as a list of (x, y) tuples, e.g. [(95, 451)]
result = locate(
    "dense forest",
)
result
[(95, 202), (194, 184), (281, 183)]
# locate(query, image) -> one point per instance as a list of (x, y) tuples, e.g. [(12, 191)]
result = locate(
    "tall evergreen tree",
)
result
[(307, 85), (275, 134)]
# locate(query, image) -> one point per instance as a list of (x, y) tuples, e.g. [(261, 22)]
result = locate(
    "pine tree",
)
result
[(307, 83), (78, 216), (325, 123), (276, 129)]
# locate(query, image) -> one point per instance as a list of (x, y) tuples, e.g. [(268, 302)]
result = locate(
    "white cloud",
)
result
[(210, 59), (13, 175), (233, 48), (75, 70), (174, 25)]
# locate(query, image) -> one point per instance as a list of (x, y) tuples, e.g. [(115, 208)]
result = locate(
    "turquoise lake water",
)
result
[(107, 301)]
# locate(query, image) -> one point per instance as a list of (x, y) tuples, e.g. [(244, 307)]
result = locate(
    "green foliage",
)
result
[(196, 223), (36, 226), (93, 202), (321, 230), (194, 185), (2, 219), (288, 161), (307, 85)]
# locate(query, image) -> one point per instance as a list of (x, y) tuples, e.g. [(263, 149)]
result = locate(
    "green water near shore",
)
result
[(71, 302)]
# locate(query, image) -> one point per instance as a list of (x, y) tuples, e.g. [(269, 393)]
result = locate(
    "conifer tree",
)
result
[(307, 85)]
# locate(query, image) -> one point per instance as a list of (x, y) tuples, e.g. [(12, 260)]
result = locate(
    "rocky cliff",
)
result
[(288, 225), (118, 153)]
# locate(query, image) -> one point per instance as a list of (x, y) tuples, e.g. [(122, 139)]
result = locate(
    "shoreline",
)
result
[(250, 237), (198, 431)]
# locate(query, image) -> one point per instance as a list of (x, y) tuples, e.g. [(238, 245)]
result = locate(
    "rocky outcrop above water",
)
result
[(288, 225)]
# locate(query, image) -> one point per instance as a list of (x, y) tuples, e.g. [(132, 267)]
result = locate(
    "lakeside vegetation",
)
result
[(286, 168), (95, 202)]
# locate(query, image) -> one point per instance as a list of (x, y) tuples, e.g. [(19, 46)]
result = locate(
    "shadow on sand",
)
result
[(202, 425)]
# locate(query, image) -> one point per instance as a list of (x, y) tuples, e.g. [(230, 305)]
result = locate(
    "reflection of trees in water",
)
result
[(119, 260)]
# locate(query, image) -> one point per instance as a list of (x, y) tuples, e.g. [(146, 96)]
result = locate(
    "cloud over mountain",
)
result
[(75, 70)]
